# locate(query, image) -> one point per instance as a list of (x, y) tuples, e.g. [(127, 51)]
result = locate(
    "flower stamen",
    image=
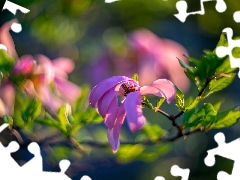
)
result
[(128, 88)]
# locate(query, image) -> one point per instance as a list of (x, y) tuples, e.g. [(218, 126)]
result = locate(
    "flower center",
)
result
[(127, 87)]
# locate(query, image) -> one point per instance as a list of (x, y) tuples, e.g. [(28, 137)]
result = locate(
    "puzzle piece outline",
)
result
[(222, 51), (227, 150), (177, 171), (182, 6), (33, 169)]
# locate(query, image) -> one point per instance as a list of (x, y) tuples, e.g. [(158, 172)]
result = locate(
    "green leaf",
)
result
[(135, 77), (151, 153), (86, 117), (179, 98), (147, 102), (183, 64), (49, 122), (63, 119), (82, 101), (223, 40), (127, 153), (6, 61), (225, 67), (227, 118), (221, 83), (203, 117), (159, 103), (7, 119), (32, 110), (154, 132), (217, 106)]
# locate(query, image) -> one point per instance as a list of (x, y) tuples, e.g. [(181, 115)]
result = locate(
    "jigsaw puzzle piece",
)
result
[(35, 164), (88, 178), (182, 7), (236, 16), (3, 126), (177, 171), (222, 51), (159, 178), (227, 150)]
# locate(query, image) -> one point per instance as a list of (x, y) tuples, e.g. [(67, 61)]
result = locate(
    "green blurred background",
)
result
[(83, 29)]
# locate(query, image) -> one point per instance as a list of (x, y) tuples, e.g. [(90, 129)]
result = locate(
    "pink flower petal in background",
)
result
[(158, 58), (148, 55), (64, 64), (68, 90), (54, 73), (6, 38), (24, 65), (7, 95)]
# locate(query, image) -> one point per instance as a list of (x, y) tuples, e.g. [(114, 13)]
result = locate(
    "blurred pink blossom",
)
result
[(104, 97), (148, 55), (55, 73), (158, 58), (6, 38), (7, 98), (25, 65), (39, 78), (7, 89)]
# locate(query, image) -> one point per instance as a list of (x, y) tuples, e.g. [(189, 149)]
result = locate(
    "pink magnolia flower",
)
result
[(55, 73), (25, 65), (146, 54), (158, 57), (6, 38), (7, 89), (104, 97), (7, 98)]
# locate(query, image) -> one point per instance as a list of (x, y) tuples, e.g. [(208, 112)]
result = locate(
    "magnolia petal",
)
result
[(47, 68), (113, 134), (105, 101), (103, 87), (65, 64), (133, 108), (6, 38), (7, 94), (161, 88), (24, 65), (111, 113), (3, 110), (68, 90), (48, 99)]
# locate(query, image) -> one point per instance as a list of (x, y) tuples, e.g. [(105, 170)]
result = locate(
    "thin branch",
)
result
[(146, 142), (164, 113), (17, 135), (76, 145)]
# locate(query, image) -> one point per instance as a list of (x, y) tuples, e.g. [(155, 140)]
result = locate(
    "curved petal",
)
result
[(133, 108), (104, 86), (113, 134), (24, 65), (6, 38), (7, 94), (47, 67), (48, 99), (105, 101), (111, 113), (68, 90), (161, 88), (65, 64)]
